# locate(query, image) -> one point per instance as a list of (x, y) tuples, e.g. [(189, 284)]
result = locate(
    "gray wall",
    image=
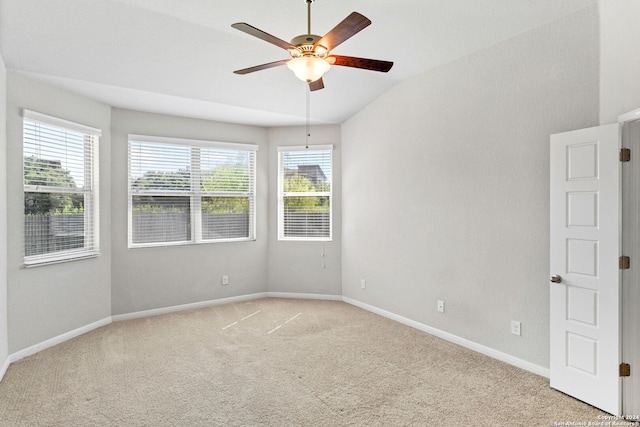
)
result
[(50, 300), (150, 278), (620, 62), (444, 193), (298, 266), (620, 93), (4, 333), (445, 186)]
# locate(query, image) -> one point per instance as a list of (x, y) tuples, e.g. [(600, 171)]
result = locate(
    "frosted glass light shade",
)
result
[(308, 69)]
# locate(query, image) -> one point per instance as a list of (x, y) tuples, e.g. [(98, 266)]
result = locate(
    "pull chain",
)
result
[(308, 92), (308, 118)]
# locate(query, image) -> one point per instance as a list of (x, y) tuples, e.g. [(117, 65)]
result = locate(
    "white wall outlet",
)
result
[(515, 328), (225, 280), (363, 283), (440, 306)]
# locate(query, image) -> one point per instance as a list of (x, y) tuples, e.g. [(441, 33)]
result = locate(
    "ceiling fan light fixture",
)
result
[(321, 51), (308, 68), (310, 52)]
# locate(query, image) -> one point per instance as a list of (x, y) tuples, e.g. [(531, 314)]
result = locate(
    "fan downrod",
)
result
[(304, 43), (309, 15)]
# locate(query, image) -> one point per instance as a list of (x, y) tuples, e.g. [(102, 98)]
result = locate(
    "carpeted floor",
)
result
[(274, 362)]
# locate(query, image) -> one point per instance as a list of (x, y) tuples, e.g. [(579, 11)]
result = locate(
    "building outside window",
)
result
[(304, 193)]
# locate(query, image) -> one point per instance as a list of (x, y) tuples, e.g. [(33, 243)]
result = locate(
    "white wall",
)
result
[(4, 333), (150, 278), (297, 267), (620, 61), (620, 93), (445, 186), (47, 301), (444, 195)]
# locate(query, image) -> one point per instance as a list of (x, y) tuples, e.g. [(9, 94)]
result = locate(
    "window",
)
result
[(304, 192), (60, 164), (190, 191)]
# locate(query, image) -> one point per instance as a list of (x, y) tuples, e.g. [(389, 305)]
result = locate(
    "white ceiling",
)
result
[(178, 56)]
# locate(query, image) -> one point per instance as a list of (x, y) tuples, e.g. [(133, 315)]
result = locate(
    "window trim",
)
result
[(195, 196), (55, 121), (91, 196), (281, 195)]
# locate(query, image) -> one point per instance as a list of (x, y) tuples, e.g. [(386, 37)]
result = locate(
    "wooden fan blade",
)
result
[(350, 26), (255, 32), (317, 85), (367, 64), (261, 67)]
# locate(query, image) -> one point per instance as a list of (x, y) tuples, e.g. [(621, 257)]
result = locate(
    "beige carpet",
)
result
[(274, 362)]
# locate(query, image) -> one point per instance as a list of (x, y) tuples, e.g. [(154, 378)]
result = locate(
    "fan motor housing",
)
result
[(305, 47), (305, 39)]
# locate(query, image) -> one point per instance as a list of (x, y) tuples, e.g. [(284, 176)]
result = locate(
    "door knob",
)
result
[(556, 279)]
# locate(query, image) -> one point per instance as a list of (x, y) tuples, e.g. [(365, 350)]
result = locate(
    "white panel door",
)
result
[(585, 276)]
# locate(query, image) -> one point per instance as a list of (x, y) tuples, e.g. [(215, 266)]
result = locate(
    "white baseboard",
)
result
[(487, 351), (294, 295), (211, 303), (4, 367), (512, 360), (183, 307), (57, 340), (87, 328)]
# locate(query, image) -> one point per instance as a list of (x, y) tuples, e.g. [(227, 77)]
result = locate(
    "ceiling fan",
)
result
[(310, 53)]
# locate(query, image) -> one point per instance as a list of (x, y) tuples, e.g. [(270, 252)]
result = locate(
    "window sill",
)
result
[(305, 239), (188, 243), (36, 261)]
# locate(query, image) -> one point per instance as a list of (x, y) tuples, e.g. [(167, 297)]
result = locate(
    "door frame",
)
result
[(630, 279)]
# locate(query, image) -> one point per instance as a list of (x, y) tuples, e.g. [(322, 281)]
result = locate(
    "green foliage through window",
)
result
[(190, 194), (305, 193), (60, 180)]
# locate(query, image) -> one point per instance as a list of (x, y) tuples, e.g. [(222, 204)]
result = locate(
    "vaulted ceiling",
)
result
[(178, 56)]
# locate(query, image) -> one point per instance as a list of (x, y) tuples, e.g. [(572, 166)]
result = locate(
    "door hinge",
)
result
[(625, 370), (625, 154), (624, 263)]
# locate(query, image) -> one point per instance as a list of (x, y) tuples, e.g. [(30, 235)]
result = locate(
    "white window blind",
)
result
[(189, 191), (304, 192), (60, 164)]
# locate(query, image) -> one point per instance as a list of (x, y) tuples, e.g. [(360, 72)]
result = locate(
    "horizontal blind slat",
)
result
[(60, 190), (305, 192), (218, 183)]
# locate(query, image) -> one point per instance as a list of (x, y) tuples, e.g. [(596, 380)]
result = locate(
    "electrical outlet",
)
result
[(225, 280), (440, 306), (515, 328), (363, 283)]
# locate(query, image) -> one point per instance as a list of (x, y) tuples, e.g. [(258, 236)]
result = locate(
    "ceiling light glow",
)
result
[(308, 68)]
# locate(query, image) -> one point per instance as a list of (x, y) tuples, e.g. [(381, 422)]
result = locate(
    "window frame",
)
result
[(282, 194), (90, 190), (195, 194)]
